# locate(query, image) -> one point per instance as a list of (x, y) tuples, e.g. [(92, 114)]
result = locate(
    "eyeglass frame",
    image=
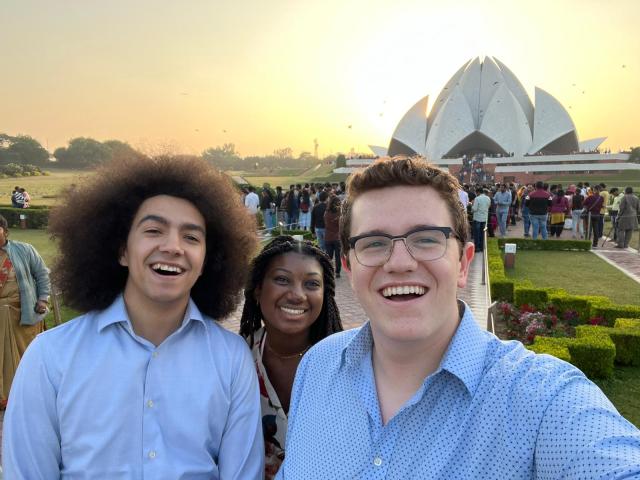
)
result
[(447, 231)]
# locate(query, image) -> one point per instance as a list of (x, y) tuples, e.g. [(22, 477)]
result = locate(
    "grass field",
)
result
[(579, 273), (286, 177), (42, 189), (623, 389)]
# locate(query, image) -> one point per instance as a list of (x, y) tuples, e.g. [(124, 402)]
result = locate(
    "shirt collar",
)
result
[(117, 313), (358, 347), (464, 358)]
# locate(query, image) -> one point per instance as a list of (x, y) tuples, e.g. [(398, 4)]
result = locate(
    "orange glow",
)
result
[(266, 75)]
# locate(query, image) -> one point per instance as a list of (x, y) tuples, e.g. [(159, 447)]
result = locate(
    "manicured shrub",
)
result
[(627, 342), (558, 347), (502, 290), (558, 245), (631, 323), (593, 354), (611, 312), (565, 304), (530, 296), (36, 216)]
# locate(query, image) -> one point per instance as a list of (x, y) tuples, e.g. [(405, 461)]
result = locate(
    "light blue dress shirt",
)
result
[(502, 199), (91, 399), (492, 410)]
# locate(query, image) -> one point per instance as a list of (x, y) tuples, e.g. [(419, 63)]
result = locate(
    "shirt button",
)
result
[(377, 461), (152, 454), (150, 403), (154, 354)]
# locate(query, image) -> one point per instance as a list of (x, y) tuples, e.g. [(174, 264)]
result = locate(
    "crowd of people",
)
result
[(309, 207), (546, 211), (146, 384)]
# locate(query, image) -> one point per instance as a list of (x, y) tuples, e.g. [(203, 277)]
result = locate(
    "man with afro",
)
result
[(144, 384)]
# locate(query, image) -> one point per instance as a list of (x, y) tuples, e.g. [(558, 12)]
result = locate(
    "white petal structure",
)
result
[(552, 124), (483, 108), (453, 123), (591, 144), (506, 123), (411, 133)]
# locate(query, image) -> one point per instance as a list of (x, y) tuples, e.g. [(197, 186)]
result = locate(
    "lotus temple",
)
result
[(484, 127)]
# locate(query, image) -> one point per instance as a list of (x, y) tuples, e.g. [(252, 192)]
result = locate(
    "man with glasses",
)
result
[(420, 391)]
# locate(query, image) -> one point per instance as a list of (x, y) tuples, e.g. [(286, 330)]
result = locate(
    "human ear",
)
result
[(468, 251), (122, 260)]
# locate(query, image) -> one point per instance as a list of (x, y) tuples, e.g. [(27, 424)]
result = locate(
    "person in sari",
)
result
[(24, 299)]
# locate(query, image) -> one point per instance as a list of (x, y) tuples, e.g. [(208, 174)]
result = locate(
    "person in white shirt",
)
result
[(252, 201)]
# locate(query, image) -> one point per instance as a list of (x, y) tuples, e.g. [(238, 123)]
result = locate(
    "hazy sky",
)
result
[(267, 74)]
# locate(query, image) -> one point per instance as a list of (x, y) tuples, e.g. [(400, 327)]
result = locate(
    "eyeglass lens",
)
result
[(422, 245)]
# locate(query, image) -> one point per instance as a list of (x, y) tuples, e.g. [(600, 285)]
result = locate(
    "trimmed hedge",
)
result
[(565, 302), (631, 323), (552, 346), (593, 354), (530, 244), (627, 343), (530, 296), (36, 216), (611, 312), (595, 348), (501, 288)]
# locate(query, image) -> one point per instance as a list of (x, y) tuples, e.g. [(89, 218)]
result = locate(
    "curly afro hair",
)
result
[(327, 323), (93, 224)]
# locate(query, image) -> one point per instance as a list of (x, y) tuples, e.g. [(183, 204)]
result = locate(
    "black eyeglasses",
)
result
[(422, 243)]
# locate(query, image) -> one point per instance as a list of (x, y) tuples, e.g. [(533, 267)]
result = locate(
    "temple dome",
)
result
[(484, 108)]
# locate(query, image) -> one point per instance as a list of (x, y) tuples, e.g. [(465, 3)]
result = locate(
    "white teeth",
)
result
[(166, 268), (404, 290), (292, 311)]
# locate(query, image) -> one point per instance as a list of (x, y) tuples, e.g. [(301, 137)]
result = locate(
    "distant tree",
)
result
[(22, 149), (341, 161), (224, 157), (82, 153), (283, 153), (121, 149), (635, 155)]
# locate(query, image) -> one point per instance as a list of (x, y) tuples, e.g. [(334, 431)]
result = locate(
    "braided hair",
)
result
[(327, 323)]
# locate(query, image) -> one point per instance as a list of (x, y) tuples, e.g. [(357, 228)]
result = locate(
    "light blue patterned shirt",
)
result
[(492, 410), (91, 399)]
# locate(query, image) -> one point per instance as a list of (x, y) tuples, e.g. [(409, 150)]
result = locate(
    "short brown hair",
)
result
[(404, 171), (93, 223)]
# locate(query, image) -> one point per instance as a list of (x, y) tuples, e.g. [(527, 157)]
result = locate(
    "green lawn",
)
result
[(623, 389), (42, 189), (579, 273)]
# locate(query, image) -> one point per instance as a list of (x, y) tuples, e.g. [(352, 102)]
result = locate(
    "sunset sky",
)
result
[(267, 74)]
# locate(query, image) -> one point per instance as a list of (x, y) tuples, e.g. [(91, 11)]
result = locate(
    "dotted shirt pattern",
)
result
[(492, 410)]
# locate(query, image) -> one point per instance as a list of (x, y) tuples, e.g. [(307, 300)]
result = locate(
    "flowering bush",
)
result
[(526, 322)]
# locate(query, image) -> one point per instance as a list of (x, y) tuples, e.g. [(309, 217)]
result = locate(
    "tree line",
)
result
[(83, 152)]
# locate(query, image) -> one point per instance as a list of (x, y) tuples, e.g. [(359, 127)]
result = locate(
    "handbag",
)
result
[(568, 224)]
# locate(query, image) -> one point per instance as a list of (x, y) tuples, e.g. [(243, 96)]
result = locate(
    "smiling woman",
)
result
[(289, 306)]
